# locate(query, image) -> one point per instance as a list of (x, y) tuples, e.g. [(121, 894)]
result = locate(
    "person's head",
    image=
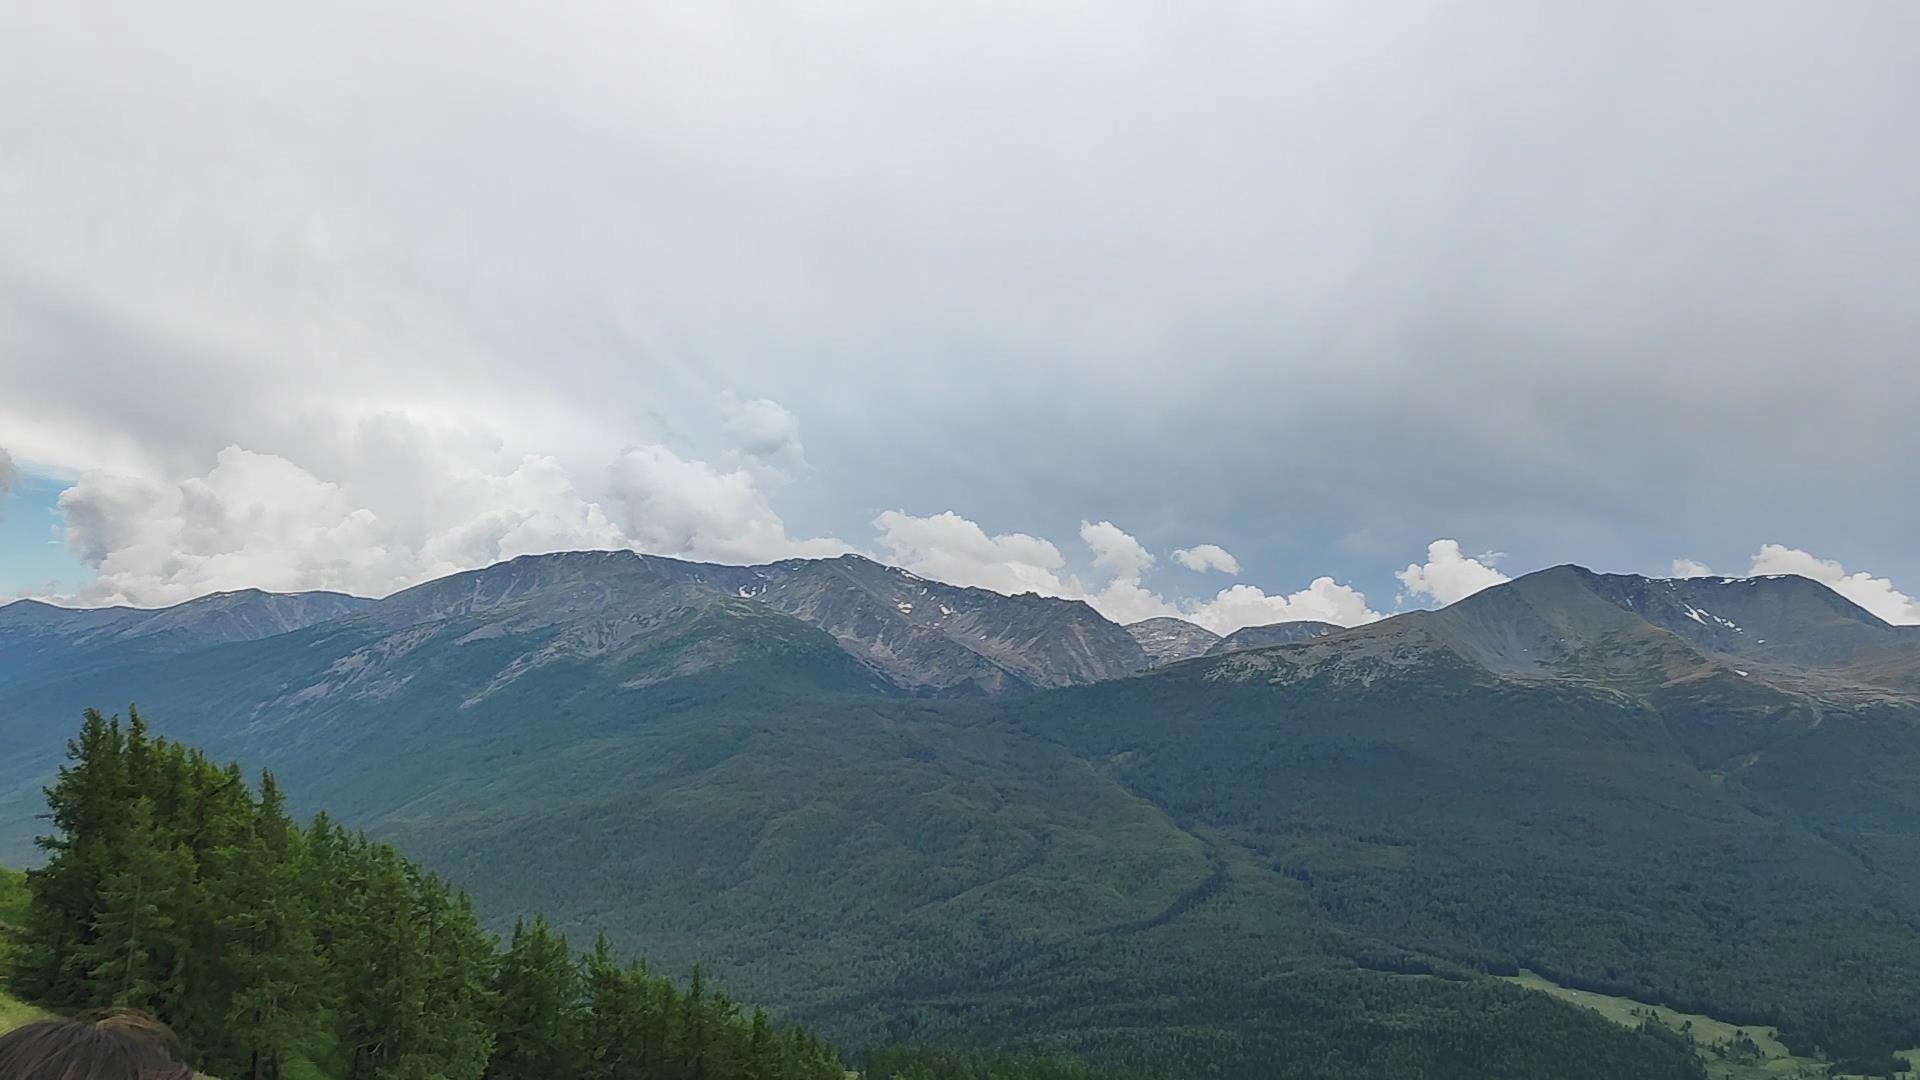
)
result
[(114, 1046)]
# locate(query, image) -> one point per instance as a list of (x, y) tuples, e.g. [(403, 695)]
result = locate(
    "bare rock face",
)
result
[(926, 635), (1281, 633), (1168, 640)]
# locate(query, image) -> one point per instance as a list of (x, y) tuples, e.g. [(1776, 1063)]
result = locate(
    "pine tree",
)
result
[(216, 819), (131, 957), (86, 805), (612, 1028), (383, 1013), (762, 1061), (459, 960), (269, 928), (537, 1007)]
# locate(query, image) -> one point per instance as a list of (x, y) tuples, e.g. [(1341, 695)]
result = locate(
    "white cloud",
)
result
[(950, 548), (1116, 551), (1245, 605), (1203, 557), (397, 502), (1685, 568), (261, 521), (674, 506), (1875, 594), (204, 236), (1126, 560), (1447, 575), (764, 430), (9, 476)]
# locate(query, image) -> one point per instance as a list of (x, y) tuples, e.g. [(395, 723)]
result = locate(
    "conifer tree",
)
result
[(537, 1007), (130, 955), (269, 930)]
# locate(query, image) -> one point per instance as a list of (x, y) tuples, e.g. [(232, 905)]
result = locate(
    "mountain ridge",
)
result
[(711, 763), (925, 636)]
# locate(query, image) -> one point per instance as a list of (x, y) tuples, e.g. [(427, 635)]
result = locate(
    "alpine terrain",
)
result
[(901, 811)]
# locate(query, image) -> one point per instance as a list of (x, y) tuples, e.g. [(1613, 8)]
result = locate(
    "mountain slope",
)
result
[(1538, 777), (737, 765), (1786, 626), (1281, 633), (927, 635), (1168, 640), (38, 636), (918, 634)]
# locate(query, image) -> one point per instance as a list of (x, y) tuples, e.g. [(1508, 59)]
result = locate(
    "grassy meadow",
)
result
[(1729, 1051)]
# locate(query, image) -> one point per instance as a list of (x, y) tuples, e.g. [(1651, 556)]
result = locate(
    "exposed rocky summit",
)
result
[(1168, 640)]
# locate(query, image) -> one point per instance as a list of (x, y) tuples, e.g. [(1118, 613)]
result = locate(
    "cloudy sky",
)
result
[(1243, 311)]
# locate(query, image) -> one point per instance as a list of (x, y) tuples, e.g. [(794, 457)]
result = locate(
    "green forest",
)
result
[(276, 950)]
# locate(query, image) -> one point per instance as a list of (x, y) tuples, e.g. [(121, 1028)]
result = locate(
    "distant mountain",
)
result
[(1782, 626), (1280, 633), (897, 808), (35, 634), (1168, 640), (926, 635), (917, 634)]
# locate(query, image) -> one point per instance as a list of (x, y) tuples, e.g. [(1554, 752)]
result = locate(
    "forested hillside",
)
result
[(274, 950)]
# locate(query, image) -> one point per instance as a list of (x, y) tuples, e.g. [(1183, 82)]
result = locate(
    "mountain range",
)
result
[(899, 808)]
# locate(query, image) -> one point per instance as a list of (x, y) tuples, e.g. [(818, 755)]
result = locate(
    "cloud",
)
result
[(1447, 575), (950, 548), (1124, 599), (210, 239), (1125, 561), (1204, 557), (261, 521), (674, 506), (1686, 568), (9, 476), (397, 502), (764, 430), (1324, 599), (1116, 551), (1875, 594)]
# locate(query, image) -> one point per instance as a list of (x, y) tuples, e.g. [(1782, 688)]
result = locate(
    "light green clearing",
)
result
[(13, 901), (1730, 1051), (13, 1013)]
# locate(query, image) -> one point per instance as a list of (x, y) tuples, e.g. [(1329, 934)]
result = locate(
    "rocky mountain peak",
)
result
[(1168, 640)]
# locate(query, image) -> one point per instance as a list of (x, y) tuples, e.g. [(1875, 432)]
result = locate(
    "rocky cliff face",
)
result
[(1168, 640)]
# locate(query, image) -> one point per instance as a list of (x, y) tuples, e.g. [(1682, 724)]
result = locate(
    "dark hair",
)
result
[(110, 1046)]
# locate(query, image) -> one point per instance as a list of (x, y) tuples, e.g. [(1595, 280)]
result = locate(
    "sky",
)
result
[(1241, 312)]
